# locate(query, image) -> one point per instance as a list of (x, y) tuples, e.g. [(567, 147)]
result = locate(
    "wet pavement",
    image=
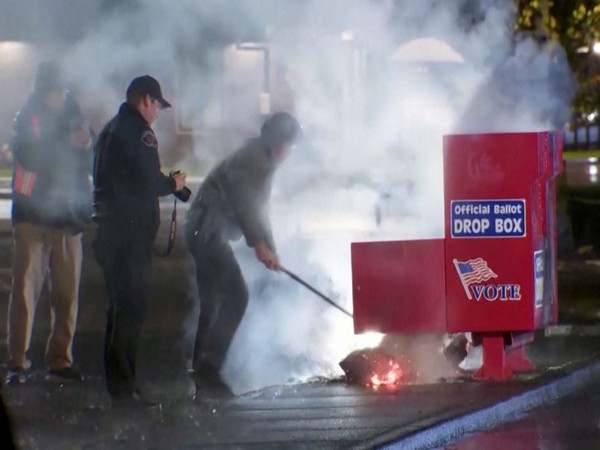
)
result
[(322, 414), (306, 416), (570, 423)]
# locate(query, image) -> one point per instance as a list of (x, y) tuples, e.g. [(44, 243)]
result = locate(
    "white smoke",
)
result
[(375, 144), (370, 167), (382, 135)]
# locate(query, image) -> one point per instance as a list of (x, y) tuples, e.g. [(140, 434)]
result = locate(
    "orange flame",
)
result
[(391, 377)]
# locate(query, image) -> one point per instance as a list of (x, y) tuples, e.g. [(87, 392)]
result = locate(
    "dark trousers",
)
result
[(125, 260), (223, 300)]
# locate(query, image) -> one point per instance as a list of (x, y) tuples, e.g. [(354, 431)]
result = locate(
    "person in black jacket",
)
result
[(127, 183), (51, 204), (233, 201)]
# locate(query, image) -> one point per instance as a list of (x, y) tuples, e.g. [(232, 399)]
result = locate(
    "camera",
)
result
[(183, 195)]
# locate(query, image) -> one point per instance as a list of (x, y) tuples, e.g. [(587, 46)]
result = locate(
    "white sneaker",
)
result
[(474, 359)]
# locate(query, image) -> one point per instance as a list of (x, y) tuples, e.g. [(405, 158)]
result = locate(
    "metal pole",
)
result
[(315, 291)]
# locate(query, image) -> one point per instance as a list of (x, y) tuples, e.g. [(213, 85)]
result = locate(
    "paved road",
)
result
[(318, 415), (571, 423), (321, 416)]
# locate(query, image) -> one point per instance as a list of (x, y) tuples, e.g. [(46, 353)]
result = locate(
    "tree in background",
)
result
[(576, 24)]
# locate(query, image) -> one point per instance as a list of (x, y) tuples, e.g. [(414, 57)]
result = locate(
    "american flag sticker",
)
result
[(473, 271)]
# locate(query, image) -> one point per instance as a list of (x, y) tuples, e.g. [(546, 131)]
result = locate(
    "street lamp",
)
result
[(347, 36), (264, 100)]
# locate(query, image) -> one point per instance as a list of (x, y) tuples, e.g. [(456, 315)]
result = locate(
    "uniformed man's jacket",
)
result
[(127, 175), (234, 198), (50, 178)]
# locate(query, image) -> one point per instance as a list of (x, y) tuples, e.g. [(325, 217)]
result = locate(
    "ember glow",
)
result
[(373, 367), (392, 376)]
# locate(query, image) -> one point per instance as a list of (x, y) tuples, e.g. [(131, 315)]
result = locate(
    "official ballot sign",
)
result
[(487, 218)]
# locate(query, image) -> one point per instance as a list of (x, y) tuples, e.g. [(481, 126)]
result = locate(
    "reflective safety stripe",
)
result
[(35, 124), (23, 181)]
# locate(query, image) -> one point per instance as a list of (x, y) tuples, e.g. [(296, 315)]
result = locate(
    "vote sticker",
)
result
[(487, 218)]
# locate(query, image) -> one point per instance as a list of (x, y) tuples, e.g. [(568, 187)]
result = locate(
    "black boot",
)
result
[(209, 383)]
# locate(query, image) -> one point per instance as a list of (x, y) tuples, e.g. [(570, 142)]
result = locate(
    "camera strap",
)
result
[(172, 233)]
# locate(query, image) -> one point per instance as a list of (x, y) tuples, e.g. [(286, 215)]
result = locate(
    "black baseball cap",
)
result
[(281, 127), (146, 85)]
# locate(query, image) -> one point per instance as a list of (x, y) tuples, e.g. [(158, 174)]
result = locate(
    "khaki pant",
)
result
[(37, 252)]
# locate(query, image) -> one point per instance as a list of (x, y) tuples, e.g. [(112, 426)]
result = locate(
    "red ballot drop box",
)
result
[(494, 273)]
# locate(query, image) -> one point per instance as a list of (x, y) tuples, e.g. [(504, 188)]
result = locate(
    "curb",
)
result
[(447, 431), (572, 330)]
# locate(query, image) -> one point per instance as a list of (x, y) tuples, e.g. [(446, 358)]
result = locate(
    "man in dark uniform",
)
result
[(127, 184), (233, 201)]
